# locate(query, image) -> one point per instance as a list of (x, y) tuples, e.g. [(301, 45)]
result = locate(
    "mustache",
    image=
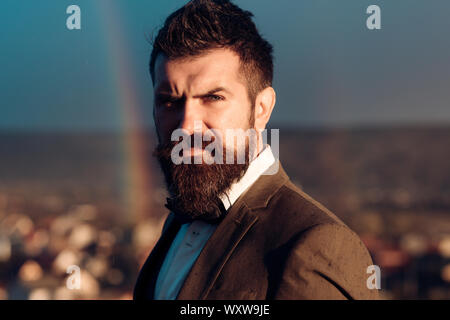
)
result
[(163, 151)]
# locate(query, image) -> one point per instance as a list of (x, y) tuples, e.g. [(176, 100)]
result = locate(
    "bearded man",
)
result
[(235, 230)]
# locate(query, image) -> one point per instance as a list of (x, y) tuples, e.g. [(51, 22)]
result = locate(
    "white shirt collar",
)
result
[(256, 167)]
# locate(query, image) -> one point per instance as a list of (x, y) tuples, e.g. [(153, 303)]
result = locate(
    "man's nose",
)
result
[(192, 118)]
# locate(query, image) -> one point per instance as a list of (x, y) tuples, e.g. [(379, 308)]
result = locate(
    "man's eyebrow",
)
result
[(213, 91), (163, 91), (164, 94)]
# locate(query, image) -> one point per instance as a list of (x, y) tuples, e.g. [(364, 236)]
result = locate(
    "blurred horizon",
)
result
[(70, 198), (281, 127)]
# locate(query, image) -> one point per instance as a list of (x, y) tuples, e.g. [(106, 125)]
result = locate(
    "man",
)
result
[(235, 231)]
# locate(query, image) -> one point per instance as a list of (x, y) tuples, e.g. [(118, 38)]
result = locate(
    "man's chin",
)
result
[(197, 188)]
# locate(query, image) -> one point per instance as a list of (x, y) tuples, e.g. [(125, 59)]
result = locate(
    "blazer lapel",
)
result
[(216, 252)]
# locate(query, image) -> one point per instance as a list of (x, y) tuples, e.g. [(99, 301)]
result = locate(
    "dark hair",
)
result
[(202, 25)]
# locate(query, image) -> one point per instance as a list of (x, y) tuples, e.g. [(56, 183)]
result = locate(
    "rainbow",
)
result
[(136, 174)]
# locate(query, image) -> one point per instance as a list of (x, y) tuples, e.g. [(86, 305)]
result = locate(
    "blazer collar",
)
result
[(260, 193)]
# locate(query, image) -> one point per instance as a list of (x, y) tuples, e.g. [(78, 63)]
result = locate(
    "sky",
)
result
[(330, 69)]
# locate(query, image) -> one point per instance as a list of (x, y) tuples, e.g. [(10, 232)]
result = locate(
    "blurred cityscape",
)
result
[(71, 199)]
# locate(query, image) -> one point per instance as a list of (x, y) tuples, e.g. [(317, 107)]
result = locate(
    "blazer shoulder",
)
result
[(318, 241), (300, 214), (297, 209), (327, 261)]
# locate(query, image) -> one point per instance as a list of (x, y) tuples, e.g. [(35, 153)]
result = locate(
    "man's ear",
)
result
[(265, 101)]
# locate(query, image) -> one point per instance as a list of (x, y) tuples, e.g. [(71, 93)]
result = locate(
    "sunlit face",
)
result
[(196, 95), (208, 89)]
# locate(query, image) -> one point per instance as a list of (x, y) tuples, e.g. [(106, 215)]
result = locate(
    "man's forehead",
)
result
[(218, 67)]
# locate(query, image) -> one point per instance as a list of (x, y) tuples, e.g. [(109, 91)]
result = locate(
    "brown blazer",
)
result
[(275, 242)]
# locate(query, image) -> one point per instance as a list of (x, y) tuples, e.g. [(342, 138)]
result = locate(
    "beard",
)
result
[(195, 189)]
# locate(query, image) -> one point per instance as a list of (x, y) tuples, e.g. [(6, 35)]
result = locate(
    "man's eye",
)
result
[(213, 97), (167, 102)]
